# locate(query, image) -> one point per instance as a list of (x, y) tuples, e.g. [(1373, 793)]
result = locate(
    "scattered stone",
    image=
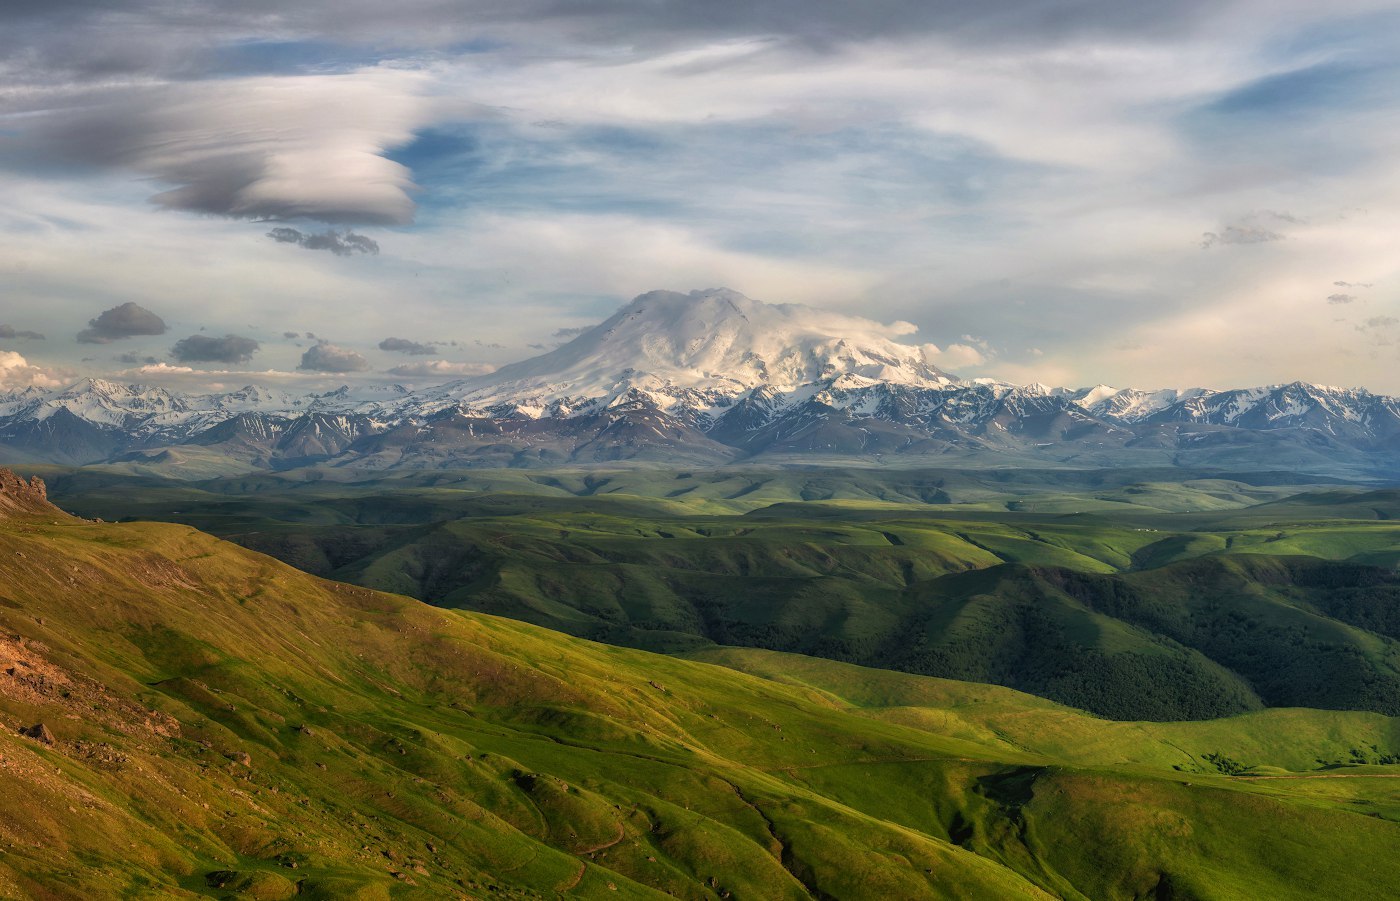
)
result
[(38, 732), (241, 757), (220, 878)]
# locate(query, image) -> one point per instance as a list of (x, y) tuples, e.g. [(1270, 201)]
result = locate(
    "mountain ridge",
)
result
[(709, 376)]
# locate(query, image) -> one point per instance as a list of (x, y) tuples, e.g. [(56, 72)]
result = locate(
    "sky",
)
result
[(206, 194)]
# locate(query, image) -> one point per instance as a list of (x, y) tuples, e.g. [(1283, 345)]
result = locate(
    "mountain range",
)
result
[(708, 377)]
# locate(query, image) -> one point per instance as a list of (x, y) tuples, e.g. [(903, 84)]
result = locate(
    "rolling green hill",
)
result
[(1157, 600), (219, 724)]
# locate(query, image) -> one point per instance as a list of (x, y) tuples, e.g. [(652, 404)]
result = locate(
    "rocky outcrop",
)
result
[(18, 497), (39, 732)]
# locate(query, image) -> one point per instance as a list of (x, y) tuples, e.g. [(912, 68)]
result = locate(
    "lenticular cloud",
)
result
[(307, 147)]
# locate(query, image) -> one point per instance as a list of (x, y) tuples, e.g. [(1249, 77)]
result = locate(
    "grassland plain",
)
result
[(1133, 599), (220, 724)]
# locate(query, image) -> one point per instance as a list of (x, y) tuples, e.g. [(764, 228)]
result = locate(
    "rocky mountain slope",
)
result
[(708, 377)]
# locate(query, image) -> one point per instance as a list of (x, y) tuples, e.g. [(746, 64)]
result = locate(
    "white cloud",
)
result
[(433, 368), (17, 372), (957, 355)]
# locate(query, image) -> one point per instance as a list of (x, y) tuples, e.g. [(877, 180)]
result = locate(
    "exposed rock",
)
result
[(19, 497), (38, 732)]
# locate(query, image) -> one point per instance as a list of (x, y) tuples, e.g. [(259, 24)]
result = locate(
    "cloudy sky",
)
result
[(1068, 191)]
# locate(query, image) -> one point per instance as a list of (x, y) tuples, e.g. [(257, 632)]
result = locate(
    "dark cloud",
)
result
[(326, 357), (1240, 234), (1378, 322), (342, 244), (1341, 298), (125, 321), (405, 346), (1354, 284), (134, 359), (312, 336), (565, 334), (290, 335), (9, 331), (204, 349)]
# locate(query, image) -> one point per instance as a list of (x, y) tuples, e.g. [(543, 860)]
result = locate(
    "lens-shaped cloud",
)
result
[(310, 147)]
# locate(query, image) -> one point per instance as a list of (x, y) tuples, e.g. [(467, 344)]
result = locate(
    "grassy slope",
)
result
[(386, 737), (1038, 606), (866, 570)]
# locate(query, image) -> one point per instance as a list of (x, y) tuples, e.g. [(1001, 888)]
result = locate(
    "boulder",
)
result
[(38, 732)]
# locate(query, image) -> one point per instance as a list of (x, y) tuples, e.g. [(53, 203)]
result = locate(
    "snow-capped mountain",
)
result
[(701, 349), (707, 377)]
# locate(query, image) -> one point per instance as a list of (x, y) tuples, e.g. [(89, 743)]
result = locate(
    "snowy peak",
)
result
[(107, 403), (712, 344), (1132, 405)]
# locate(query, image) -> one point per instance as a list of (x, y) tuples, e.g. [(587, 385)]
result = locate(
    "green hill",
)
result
[(1041, 608), (218, 724), (1237, 601)]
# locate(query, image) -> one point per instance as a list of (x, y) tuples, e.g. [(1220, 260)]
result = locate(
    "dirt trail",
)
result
[(583, 865), (1248, 778)]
